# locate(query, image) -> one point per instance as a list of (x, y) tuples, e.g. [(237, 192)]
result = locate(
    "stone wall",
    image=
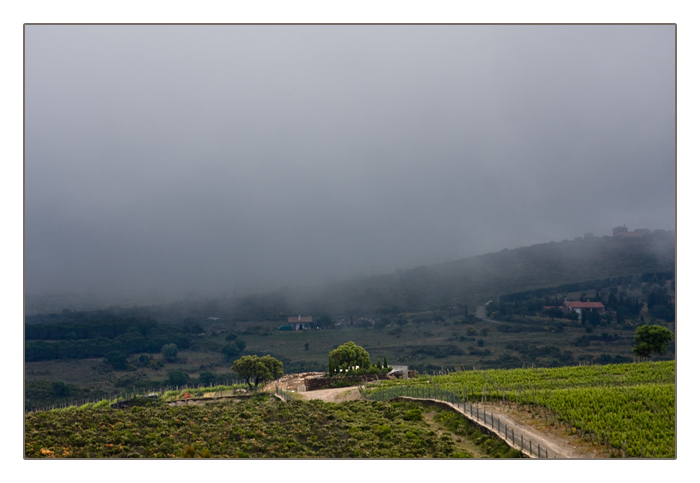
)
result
[(331, 382)]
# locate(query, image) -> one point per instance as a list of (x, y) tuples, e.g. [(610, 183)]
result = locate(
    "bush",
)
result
[(60, 389), (178, 378), (117, 360), (413, 415), (169, 352), (206, 378), (231, 351)]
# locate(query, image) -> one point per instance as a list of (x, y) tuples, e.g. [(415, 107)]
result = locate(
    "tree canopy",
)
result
[(231, 351), (169, 352), (256, 370), (348, 357), (651, 339), (117, 360)]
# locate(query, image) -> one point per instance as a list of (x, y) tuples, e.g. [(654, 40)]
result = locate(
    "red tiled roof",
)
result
[(584, 305), (300, 320)]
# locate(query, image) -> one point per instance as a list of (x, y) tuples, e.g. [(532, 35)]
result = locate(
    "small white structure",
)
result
[(399, 371)]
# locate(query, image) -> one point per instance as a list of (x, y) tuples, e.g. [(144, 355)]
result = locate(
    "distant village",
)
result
[(621, 232)]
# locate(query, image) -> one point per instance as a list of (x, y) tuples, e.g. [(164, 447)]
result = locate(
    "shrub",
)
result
[(413, 415), (169, 352), (178, 378), (117, 360)]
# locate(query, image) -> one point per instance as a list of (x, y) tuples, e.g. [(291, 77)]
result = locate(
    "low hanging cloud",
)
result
[(215, 158)]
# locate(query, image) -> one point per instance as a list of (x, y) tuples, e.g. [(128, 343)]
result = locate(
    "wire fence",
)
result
[(510, 434), (284, 395), (163, 392), (520, 397)]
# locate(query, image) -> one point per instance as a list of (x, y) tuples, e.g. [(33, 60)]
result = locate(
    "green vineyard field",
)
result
[(629, 406)]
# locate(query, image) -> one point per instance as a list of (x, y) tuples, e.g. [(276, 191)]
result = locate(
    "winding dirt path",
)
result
[(537, 430), (532, 429)]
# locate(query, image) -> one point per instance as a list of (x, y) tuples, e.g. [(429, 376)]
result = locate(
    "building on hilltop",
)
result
[(622, 233), (619, 230)]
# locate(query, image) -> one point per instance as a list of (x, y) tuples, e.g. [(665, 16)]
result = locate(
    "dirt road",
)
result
[(537, 430), (340, 394)]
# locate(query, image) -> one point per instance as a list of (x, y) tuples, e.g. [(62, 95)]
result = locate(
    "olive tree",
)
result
[(169, 352), (651, 339), (256, 370)]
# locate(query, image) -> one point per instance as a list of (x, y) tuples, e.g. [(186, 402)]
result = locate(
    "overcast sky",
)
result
[(210, 158)]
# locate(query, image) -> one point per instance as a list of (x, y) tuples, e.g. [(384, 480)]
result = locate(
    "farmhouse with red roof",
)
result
[(580, 307)]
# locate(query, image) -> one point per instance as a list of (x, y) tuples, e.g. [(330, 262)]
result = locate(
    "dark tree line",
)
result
[(80, 340), (617, 302)]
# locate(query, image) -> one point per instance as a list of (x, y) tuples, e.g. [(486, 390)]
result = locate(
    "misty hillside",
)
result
[(468, 281), (477, 279)]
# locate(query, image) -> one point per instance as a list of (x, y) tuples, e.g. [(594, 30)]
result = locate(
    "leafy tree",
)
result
[(144, 360), (572, 316), (231, 337), (591, 317), (169, 352), (256, 370), (206, 378), (116, 359), (651, 339), (231, 351), (178, 377), (554, 313), (324, 322), (60, 389), (348, 356)]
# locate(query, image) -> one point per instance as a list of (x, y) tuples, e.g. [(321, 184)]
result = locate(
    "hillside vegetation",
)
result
[(259, 427)]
